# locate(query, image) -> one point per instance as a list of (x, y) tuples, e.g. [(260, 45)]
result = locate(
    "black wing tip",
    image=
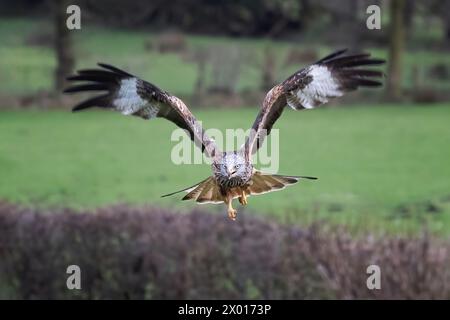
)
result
[(103, 64), (338, 59), (72, 77), (173, 193), (297, 177), (350, 69), (102, 101), (341, 51), (369, 83), (378, 61), (110, 69), (71, 90), (332, 55), (77, 109), (308, 177), (371, 61), (169, 194), (114, 69), (86, 87), (95, 79), (337, 52)]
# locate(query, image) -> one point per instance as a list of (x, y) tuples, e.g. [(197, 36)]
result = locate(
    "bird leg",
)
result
[(231, 212), (243, 198)]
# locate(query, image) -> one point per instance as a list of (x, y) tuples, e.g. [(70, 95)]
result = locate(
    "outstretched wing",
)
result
[(312, 86), (133, 96), (208, 191)]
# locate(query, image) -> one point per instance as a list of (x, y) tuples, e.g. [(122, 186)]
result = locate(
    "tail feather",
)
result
[(264, 183), (208, 191)]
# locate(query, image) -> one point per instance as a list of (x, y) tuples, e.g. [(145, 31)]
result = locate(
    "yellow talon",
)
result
[(243, 198), (231, 212)]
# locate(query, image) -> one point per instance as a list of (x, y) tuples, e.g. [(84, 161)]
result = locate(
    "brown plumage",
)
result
[(208, 191), (233, 175)]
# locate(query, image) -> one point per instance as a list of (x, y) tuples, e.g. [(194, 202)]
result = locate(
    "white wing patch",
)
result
[(128, 101), (322, 87), (150, 111)]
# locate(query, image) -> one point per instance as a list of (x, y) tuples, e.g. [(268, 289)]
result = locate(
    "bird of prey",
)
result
[(233, 175)]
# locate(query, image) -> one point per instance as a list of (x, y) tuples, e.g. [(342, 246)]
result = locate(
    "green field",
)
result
[(383, 168), (379, 167)]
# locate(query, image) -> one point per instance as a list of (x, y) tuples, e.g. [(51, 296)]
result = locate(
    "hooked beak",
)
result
[(231, 172)]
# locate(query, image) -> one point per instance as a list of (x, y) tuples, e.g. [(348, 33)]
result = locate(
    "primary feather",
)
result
[(330, 77), (131, 95)]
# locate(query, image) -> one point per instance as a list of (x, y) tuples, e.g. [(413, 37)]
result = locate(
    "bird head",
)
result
[(232, 164)]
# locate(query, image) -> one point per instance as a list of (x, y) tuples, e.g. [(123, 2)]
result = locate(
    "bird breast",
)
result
[(231, 182)]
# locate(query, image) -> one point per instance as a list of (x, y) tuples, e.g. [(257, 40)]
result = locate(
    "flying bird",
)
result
[(233, 175)]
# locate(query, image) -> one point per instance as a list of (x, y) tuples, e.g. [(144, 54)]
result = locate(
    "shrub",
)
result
[(170, 41), (149, 253)]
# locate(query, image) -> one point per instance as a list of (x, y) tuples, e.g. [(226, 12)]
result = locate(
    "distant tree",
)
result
[(409, 12), (199, 56), (128, 13), (65, 61), (226, 64), (396, 47), (445, 12), (268, 68)]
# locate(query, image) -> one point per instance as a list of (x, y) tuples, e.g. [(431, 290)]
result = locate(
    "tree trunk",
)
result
[(268, 70), (63, 45), (409, 12), (396, 46), (446, 20)]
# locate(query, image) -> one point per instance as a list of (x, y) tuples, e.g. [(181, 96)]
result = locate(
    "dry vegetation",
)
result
[(127, 252)]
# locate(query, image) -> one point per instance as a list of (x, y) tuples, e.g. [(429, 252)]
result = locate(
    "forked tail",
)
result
[(263, 183), (208, 191)]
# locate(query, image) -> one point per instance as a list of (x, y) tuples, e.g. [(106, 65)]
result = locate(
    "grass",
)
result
[(378, 167)]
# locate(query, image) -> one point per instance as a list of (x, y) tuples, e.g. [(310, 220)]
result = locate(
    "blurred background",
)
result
[(85, 188)]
